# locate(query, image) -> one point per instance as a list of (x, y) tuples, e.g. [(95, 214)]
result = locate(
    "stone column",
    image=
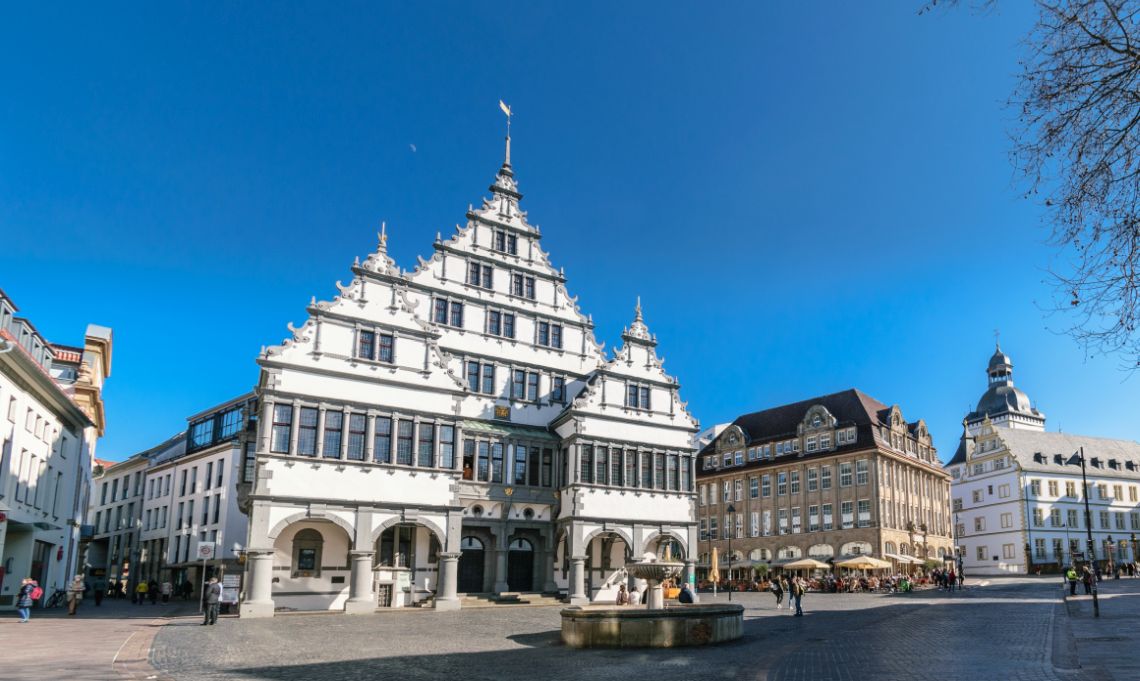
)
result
[(691, 578), (578, 594), (361, 599), (446, 594), (500, 571), (259, 591), (548, 583)]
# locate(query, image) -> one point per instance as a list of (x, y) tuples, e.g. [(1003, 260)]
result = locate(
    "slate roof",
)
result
[(1048, 452), (849, 407)]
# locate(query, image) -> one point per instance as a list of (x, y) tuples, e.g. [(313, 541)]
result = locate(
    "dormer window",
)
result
[(480, 275), (550, 335), (506, 243), (448, 312), (637, 397), (522, 286), (375, 346)]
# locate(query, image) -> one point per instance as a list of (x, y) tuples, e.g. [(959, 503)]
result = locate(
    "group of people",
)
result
[(795, 588), (30, 591), (947, 579), (635, 597), (1085, 575)]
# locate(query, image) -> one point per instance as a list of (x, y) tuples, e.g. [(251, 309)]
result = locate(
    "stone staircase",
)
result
[(509, 598)]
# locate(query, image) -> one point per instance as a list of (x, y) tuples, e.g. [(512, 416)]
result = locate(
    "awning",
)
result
[(910, 560), (863, 563), (508, 431)]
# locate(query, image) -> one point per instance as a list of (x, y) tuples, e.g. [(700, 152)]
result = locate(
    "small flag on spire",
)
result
[(506, 109)]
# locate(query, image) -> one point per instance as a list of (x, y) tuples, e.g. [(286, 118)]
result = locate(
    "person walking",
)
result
[(213, 601), (778, 591), (100, 591), (25, 598), (951, 580), (797, 595), (152, 591), (622, 595), (1086, 579), (75, 594), (140, 592)]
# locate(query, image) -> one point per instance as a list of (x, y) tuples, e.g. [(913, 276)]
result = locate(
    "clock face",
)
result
[(816, 420)]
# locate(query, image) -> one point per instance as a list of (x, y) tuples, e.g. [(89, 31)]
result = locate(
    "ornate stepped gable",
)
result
[(430, 355), (636, 361)]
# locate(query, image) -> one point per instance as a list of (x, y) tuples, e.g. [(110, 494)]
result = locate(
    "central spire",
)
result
[(507, 159)]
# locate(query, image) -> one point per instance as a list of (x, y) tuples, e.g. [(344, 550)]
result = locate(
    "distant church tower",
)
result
[(1005, 405)]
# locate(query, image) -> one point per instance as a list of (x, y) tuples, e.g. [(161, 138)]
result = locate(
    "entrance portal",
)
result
[(520, 566), (471, 565)]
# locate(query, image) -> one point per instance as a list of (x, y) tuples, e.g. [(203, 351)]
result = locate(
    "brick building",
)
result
[(825, 478)]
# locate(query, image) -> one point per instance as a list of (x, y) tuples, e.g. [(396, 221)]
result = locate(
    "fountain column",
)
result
[(691, 578), (578, 581)]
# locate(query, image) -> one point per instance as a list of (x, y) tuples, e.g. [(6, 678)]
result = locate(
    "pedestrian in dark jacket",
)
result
[(213, 601), (24, 599)]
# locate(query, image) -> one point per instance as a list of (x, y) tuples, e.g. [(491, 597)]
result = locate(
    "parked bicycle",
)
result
[(57, 599)]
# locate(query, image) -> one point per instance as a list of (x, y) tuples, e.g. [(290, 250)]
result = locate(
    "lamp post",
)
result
[(730, 530), (1079, 457), (1133, 549)]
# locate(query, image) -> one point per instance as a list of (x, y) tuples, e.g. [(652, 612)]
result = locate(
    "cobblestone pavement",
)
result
[(109, 642), (1001, 630)]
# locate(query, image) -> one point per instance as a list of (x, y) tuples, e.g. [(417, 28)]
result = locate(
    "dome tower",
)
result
[(1006, 405)]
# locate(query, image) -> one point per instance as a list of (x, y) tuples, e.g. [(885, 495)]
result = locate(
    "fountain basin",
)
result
[(672, 627)]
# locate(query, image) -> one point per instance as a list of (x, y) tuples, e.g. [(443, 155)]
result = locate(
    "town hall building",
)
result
[(458, 429)]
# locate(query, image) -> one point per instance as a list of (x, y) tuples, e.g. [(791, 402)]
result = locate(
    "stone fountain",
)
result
[(654, 626), (654, 572)]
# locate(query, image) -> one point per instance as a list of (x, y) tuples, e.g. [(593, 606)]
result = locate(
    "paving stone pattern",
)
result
[(105, 643), (1002, 631)]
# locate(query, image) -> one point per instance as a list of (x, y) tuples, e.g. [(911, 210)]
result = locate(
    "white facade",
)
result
[(1017, 491), (458, 428), (114, 512), (50, 421)]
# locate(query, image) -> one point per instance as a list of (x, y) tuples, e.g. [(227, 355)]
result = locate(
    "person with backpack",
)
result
[(797, 595), (29, 593)]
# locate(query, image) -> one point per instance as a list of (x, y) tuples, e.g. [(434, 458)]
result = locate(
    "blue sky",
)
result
[(807, 198)]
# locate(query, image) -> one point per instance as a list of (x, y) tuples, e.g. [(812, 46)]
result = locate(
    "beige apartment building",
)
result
[(825, 478)]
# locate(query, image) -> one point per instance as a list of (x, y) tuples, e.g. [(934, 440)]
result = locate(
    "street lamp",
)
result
[(731, 510), (1079, 457)]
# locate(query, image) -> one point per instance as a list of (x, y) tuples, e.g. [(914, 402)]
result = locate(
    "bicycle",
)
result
[(57, 599)]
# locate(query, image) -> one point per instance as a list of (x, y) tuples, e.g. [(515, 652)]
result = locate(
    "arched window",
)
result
[(760, 554), (470, 544), (855, 548), (397, 546), (821, 551), (889, 547), (307, 548), (904, 549), (519, 544), (790, 552)]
